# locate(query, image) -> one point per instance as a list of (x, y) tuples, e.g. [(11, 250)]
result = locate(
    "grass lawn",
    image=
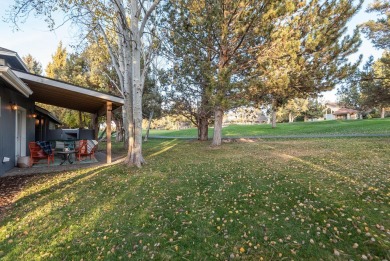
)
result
[(372, 126), (303, 199)]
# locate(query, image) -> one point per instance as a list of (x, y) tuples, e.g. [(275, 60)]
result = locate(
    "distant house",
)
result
[(335, 112), (21, 121)]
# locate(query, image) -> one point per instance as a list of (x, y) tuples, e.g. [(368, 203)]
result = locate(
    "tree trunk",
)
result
[(273, 118), (218, 117), (148, 128), (290, 117), (136, 157), (119, 130), (81, 123), (203, 129), (383, 112)]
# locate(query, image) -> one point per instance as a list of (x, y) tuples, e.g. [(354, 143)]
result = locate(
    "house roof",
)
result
[(48, 114), (9, 76), (343, 111), (13, 59), (62, 94)]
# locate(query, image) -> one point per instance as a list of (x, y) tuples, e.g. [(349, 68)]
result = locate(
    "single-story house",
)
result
[(21, 121)]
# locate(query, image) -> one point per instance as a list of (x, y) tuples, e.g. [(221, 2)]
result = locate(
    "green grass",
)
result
[(372, 126), (296, 199)]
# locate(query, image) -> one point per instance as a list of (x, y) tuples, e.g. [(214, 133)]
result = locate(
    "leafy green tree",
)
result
[(379, 31), (294, 108), (33, 65)]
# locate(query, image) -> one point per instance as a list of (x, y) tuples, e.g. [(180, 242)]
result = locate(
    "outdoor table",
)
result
[(66, 156)]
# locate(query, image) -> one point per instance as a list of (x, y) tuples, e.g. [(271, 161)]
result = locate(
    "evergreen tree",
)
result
[(33, 65), (375, 84), (55, 68), (379, 31), (369, 88), (311, 55), (315, 110)]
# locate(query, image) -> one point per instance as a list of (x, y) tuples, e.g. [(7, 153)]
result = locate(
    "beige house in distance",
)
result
[(334, 112)]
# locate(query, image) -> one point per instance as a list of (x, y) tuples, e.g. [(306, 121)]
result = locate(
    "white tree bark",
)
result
[(273, 118), (218, 117)]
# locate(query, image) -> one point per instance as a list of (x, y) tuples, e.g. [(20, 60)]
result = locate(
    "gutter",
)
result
[(9, 76)]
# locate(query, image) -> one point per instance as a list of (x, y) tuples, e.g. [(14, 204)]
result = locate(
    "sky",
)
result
[(36, 39)]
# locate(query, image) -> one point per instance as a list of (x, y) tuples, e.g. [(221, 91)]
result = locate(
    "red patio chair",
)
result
[(84, 149), (37, 154)]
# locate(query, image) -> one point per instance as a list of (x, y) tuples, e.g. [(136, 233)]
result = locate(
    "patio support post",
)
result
[(95, 126), (108, 130)]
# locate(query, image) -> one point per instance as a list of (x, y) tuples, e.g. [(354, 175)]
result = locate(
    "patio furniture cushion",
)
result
[(86, 148), (46, 147), (60, 145), (91, 144)]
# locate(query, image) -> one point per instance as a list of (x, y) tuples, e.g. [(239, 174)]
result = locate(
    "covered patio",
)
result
[(62, 94)]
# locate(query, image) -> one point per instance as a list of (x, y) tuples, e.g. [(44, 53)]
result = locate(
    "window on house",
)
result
[(52, 125)]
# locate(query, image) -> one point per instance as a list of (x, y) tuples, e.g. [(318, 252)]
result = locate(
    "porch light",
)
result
[(14, 106), (33, 114)]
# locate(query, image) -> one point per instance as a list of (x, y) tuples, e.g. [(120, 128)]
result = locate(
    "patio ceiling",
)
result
[(58, 93)]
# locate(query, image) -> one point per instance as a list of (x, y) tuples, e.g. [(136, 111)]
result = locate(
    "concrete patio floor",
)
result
[(44, 168)]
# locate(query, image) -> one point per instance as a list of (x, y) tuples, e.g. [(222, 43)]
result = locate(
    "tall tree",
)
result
[(56, 68), (33, 65), (215, 43), (379, 31), (313, 55), (278, 49), (375, 84), (370, 87), (122, 24)]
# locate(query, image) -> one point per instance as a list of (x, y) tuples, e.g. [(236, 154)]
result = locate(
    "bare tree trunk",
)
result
[(148, 128), (218, 117), (290, 117), (383, 112), (273, 118)]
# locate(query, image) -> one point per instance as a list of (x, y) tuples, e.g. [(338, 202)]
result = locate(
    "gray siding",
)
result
[(7, 124)]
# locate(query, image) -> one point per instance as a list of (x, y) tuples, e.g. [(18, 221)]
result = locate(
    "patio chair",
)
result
[(37, 154), (85, 148)]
